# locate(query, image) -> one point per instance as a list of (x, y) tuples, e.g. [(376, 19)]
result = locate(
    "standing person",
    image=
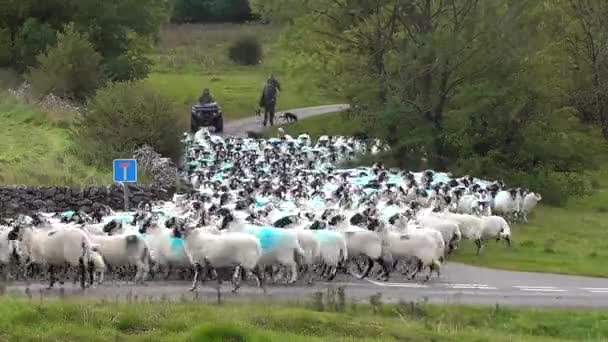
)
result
[(269, 99)]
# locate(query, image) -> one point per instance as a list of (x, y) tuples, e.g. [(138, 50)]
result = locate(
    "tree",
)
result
[(211, 11), (29, 27), (586, 44), (70, 69)]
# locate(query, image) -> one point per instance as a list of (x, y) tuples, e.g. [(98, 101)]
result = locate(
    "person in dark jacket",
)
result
[(269, 99), (206, 97)]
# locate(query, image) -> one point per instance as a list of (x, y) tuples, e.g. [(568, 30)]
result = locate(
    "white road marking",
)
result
[(598, 291), (410, 285), (478, 287), (594, 288), (540, 288)]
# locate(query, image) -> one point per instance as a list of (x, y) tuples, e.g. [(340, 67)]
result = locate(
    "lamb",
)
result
[(529, 202), (99, 265), (56, 248), (240, 250)]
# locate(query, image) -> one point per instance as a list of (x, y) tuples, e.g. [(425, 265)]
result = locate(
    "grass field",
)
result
[(192, 57), (86, 321), (330, 124)]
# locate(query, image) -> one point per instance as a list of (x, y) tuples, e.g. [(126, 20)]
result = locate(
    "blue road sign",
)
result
[(125, 170)]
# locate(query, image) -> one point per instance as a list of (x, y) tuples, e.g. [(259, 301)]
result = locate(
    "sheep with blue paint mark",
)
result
[(209, 251)]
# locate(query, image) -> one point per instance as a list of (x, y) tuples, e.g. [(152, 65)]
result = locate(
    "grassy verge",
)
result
[(33, 149), (192, 57), (569, 240), (79, 321)]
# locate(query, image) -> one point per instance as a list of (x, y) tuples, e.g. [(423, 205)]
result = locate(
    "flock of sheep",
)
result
[(277, 208)]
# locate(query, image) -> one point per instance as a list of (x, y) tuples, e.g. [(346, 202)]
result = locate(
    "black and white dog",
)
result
[(289, 117)]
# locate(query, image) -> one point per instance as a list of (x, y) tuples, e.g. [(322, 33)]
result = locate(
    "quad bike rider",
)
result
[(206, 113)]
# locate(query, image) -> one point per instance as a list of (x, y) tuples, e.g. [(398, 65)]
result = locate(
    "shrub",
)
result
[(124, 116), (71, 68), (246, 50)]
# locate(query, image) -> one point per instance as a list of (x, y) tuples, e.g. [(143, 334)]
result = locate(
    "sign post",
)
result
[(125, 171)]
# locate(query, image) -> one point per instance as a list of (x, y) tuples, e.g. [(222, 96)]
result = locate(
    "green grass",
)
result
[(87, 321), (192, 57), (329, 124), (33, 149)]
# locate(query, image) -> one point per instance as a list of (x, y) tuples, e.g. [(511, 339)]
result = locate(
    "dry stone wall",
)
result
[(16, 199)]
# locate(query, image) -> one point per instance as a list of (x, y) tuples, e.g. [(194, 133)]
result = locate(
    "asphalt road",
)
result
[(254, 124), (458, 284)]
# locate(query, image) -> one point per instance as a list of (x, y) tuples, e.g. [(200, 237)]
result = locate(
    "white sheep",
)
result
[(98, 265), (418, 243), (361, 243), (495, 227), (333, 251), (279, 246), (507, 203), (123, 251), (529, 202), (449, 230), (232, 249), (56, 248)]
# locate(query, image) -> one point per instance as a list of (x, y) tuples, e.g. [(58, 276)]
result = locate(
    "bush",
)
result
[(70, 69), (124, 116), (246, 50), (237, 11)]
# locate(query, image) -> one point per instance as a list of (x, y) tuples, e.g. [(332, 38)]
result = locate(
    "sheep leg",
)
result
[(386, 271), (479, 244), (198, 269), (258, 274), (294, 273), (51, 277), (417, 269), (91, 269), (370, 265), (169, 269), (236, 278), (83, 273)]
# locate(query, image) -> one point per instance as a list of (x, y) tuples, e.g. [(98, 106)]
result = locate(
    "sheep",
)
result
[(56, 248), (311, 247), (361, 243), (125, 250), (279, 246), (529, 202), (417, 243), (233, 249), (495, 227), (168, 251), (449, 230), (10, 254), (507, 203), (333, 251), (99, 265)]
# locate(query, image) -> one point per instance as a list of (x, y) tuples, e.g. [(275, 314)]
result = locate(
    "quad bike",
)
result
[(205, 115)]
